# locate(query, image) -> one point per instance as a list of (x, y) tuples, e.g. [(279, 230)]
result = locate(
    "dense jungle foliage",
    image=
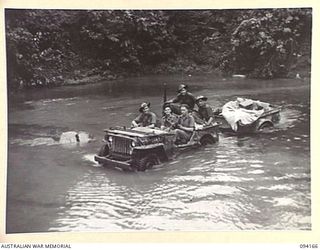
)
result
[(53, 47)]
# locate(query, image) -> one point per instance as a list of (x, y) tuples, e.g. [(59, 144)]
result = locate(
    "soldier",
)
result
[(183, 97), (185, 126), (205, 112), (169, 120), (146, 118)]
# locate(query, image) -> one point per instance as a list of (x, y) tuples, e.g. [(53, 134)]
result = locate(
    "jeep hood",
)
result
[(136, 132)]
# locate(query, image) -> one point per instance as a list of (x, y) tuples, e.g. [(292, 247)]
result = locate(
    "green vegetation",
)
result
[(54, 47)]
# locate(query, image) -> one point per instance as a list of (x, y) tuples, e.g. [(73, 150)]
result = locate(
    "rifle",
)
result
[(164, 93)]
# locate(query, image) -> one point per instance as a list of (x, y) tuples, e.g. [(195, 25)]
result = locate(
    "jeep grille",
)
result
[(121, 145)]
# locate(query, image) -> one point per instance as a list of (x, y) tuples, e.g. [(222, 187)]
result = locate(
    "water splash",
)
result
[(41, 141), (90, 158), (288, 118)]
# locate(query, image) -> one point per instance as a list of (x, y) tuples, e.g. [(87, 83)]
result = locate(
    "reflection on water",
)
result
[(249, 182)]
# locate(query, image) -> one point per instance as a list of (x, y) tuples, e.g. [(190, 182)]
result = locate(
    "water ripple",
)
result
[(242, 183)]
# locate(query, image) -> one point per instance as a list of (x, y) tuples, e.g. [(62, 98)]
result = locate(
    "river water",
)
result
[(249, 182)]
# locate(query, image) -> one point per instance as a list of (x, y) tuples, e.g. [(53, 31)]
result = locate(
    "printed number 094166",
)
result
[(312, 246)]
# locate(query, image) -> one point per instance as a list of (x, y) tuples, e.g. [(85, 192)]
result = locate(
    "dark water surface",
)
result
[(252, 182)]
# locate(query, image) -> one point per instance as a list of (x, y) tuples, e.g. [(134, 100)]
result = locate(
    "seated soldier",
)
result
[(185, 126), (205, 112), (183, 97), (146, 118), (169, 119)]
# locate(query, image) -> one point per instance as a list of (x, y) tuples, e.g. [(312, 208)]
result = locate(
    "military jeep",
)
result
[(141, 148)]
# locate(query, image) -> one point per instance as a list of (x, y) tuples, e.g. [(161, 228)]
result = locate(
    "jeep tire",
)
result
[(265, 126), (104, 151), (205, 140), (147, 162)]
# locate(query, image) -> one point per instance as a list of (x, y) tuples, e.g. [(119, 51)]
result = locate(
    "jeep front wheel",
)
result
[(104, 151), (147, 162)]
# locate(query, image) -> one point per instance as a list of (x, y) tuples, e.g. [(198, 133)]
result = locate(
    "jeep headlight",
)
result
[(109, 138), (133, 144)]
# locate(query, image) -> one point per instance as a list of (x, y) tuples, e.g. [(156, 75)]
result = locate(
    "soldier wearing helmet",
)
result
[(183, 97)]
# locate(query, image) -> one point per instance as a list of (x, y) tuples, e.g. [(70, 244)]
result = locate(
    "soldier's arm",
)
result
[(176, 99), (209, 121), (211, 115), (136, 121), (153, 121)]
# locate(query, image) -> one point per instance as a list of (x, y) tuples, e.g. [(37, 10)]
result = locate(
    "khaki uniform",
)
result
[(146, 119), (183, 136)]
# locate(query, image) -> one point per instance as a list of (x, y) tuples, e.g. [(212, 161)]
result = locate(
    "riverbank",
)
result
[(300, 69), (178, 67)]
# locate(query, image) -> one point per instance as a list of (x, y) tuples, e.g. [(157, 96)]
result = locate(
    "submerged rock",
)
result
[(73, 137)]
